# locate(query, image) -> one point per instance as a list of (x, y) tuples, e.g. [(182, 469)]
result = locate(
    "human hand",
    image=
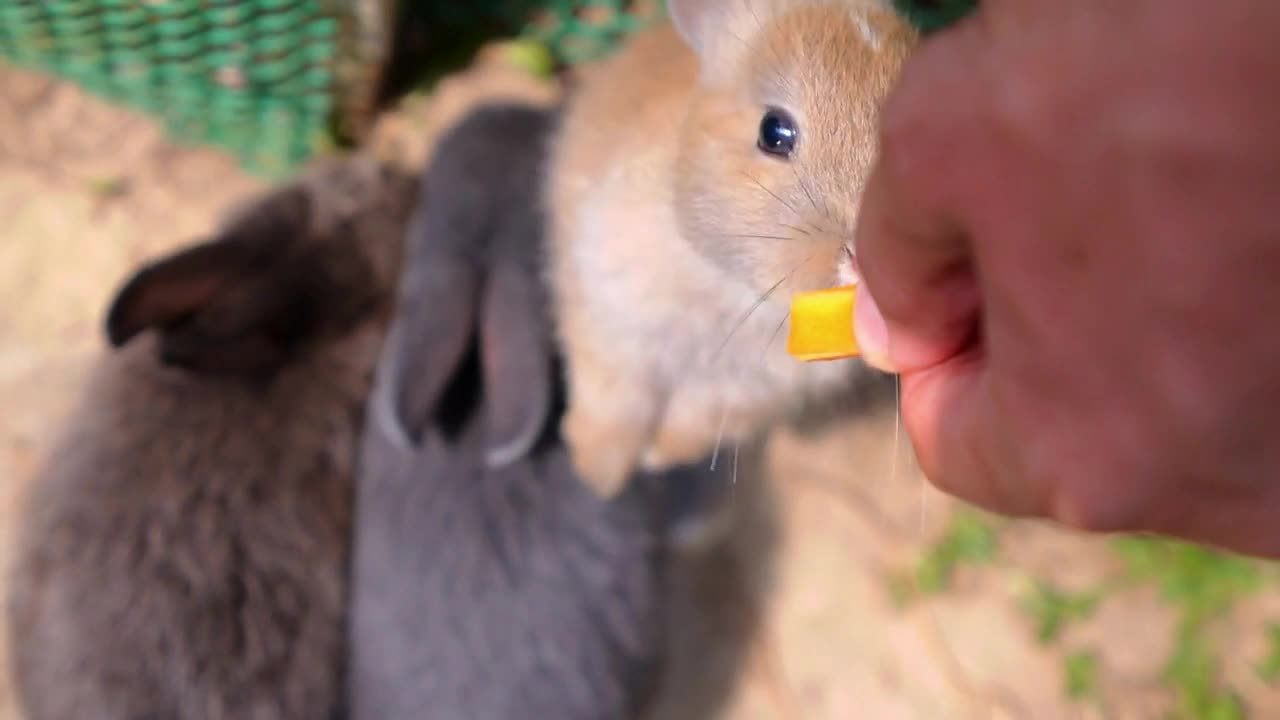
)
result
[(1070, 250)]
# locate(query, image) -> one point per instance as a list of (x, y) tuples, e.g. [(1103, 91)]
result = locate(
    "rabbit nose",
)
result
[(847, 265), (852, 256)]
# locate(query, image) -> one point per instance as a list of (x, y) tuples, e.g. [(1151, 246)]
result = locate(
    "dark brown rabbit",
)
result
[(184, 553), (488, 582)]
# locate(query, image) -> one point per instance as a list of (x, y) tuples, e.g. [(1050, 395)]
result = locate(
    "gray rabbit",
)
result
[(488, 582), (184, 553)]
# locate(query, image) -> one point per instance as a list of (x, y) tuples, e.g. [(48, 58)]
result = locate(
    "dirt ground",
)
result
[(802, 618)]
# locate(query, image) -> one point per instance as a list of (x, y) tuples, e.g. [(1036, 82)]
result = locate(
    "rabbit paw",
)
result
[(679, 444), (604, 453)]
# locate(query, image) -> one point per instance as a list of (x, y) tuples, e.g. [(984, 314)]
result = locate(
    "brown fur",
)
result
[(677, 243), (183, 554)]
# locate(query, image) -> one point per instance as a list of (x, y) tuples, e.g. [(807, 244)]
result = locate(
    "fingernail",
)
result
[(870, 330)]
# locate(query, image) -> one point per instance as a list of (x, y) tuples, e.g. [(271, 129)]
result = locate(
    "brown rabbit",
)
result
[(184, 553), (702, 175)]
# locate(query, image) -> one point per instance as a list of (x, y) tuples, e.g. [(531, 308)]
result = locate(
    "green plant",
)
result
[(1052, 609), (1201, 585), (968, 539), (1204, 586), (1080, 675), (1269, 668), (531, 56), (1199, 580), (1193, 671)]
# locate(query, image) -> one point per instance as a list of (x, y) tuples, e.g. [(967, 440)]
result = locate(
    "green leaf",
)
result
[(933, 574), (1052, 609), (967, 540), (1203, 585), (1202, 581), (529, 55), (1081, 675), (1269, 668), (1192, 673)]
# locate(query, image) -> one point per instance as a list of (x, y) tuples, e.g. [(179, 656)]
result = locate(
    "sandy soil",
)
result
[(796, 620)]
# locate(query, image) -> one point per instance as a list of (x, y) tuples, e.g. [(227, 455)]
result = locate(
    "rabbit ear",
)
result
[(706, 24), (165, 291), (516, 358), (439, 299), (228, 304), (434, 330), (441, 291), (695, 20)]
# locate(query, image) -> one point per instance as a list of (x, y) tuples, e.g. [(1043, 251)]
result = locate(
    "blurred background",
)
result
[(851, 589)]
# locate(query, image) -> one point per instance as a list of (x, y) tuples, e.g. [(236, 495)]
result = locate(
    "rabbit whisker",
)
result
[(751, 311), (775, 195), (804, 186), (753, 237), (715, 454), (754, 306), (825, 209), (764, 356)]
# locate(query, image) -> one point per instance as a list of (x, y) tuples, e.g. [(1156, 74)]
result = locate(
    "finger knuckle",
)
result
[(1087, 508)]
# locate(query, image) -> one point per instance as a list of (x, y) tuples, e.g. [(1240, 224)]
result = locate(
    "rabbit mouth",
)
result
[(847, 266)]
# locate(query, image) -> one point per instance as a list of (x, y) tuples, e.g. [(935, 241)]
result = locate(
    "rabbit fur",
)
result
[(682, 221), (488, 582), (184, 551)]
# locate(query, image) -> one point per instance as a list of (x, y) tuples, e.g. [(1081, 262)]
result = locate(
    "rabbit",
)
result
[(701, 175), (488, 582), (184, 552)]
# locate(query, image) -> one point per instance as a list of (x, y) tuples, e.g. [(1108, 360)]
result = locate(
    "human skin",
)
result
[(1070, 251)]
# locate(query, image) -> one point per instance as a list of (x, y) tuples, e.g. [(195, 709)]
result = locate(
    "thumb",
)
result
[(963, 442), (917, 296), (917, 300)]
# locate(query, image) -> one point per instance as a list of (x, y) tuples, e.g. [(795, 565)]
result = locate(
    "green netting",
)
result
[(256, 77), (267, 80), (271, 80)]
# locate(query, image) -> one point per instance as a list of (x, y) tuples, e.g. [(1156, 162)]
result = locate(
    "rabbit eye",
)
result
[(778, 133)]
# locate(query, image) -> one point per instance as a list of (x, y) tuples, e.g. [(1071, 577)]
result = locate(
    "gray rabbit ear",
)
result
[(433, 331), (438, 307), (516, 357)]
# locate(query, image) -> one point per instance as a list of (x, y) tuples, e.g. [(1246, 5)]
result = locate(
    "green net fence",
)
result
[(271, 81)]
